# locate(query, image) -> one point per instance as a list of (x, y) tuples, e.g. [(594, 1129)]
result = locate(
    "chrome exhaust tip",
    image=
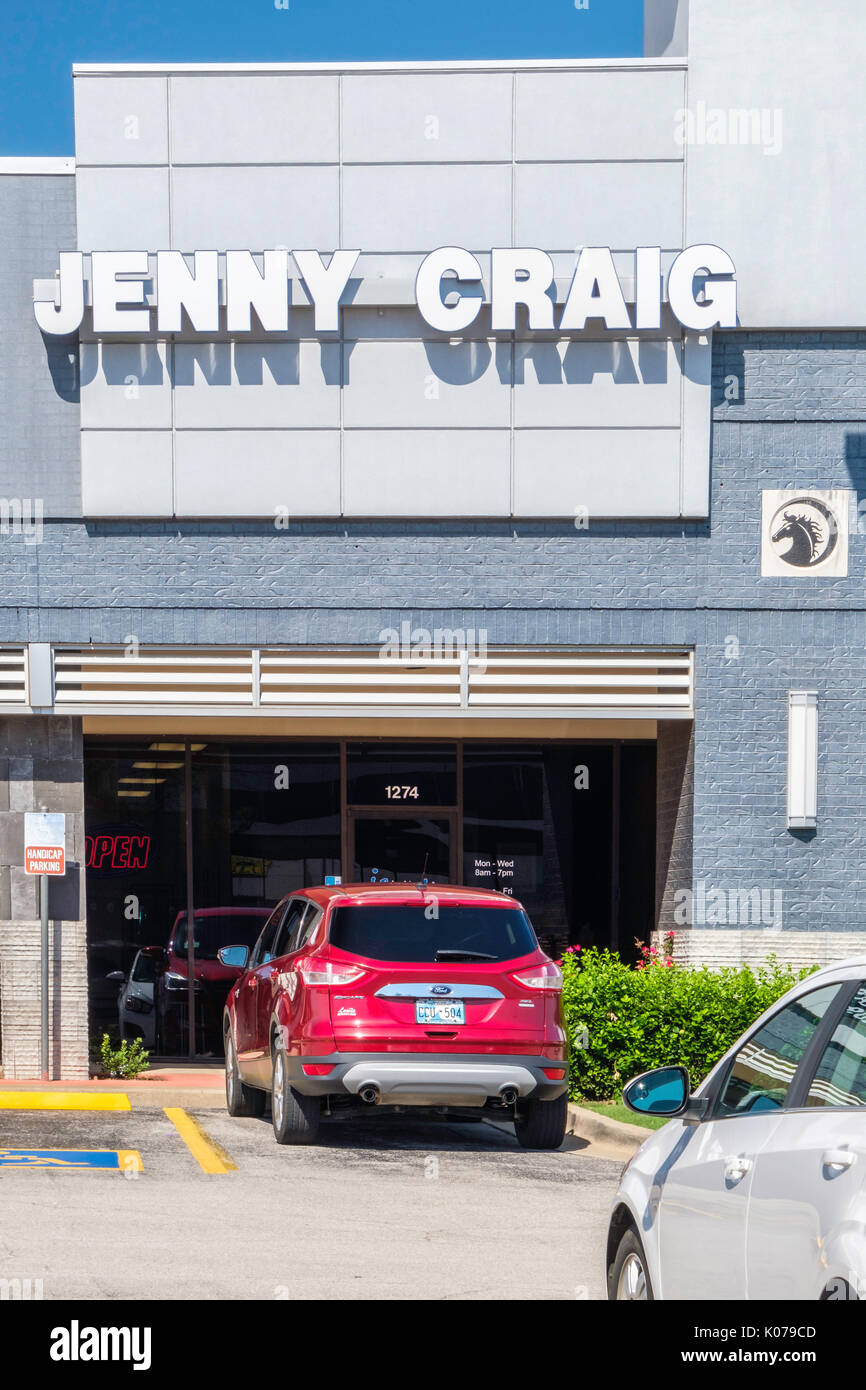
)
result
[(508, 1095), (369, 1094)]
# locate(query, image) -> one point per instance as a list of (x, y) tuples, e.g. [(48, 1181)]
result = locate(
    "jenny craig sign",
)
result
[(701, 290)]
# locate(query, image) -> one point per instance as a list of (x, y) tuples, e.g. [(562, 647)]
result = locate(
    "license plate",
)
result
[(448, 1011)]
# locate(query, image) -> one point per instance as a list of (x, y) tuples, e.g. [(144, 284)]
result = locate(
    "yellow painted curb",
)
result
[(208, 1154), (64, 1100)]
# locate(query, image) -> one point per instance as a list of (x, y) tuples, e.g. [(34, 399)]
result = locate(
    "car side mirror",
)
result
[(235, 956), (663, 1092), (118, 976)]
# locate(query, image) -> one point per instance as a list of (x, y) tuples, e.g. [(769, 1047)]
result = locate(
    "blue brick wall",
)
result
[(789, 411)]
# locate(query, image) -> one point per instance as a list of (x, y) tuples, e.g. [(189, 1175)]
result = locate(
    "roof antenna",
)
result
[(423, 881)]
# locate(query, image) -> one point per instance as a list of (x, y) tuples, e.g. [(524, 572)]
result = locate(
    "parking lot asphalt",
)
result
[(381, 1207)]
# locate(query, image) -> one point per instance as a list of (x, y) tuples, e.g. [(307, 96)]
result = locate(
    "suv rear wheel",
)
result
[(540, 1124), (241, 1100), (295, 1117)]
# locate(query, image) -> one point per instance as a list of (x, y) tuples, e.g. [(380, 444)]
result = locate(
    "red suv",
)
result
[(396, 995)]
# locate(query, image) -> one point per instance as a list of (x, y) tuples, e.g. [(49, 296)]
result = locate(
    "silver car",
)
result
[(135, 1002), (757, 1187)]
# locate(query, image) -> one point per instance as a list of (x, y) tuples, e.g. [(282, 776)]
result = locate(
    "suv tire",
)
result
[(540, 1124), (241, 1101), (295, 1117)]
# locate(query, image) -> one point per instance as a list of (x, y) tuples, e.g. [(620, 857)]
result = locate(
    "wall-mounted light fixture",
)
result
[(802, 759)]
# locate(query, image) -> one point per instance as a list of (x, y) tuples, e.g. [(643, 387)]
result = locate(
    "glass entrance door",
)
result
[(405, 847)]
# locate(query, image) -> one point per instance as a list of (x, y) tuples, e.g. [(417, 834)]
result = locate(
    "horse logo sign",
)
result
[(805, 533)]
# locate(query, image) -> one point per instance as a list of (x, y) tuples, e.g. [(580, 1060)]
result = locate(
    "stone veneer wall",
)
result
[(42, 767)]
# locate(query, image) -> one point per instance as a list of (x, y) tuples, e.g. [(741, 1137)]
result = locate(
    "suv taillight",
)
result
[(546, 976), (315, 970)]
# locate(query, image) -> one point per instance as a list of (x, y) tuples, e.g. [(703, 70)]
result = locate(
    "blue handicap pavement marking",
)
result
[(59, 1158)]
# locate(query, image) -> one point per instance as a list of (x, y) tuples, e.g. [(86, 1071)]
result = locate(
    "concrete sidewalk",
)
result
[(202, 1087)]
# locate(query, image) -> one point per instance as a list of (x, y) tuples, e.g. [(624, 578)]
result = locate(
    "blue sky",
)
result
[(41, 41)]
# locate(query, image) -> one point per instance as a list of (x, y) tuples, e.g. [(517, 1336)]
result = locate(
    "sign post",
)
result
[(45, 855)]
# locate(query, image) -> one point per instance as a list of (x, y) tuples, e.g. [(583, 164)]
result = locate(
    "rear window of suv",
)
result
[(405, 931)]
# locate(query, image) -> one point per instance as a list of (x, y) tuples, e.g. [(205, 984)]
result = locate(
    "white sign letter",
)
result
[(507, 291), (326, 284), (109, 293), (594, 270), (197, 291), (447, 318), (64, 313), (648, 287), (247, 289), (719, 309)]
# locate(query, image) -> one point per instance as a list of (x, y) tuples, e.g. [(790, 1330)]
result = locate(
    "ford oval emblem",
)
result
[(440, 989)]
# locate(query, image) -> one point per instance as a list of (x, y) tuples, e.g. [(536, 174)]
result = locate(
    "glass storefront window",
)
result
[(405, 849), (135, 862), (568, 829), (266, 821), (537, 824), (394, 774)]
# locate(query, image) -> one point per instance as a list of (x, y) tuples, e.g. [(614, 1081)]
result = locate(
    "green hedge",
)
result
[(624, 1019)]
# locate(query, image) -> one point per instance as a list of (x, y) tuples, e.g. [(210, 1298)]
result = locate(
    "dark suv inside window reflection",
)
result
[(234, 929)]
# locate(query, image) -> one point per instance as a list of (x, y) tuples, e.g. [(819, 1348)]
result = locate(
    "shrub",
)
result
[(125, 1060), (623, 1019)]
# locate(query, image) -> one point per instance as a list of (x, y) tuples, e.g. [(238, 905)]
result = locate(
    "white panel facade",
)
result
[(219, 208), (426, 385), (433, 118), (623, 205), (406, 207), (593, 116), (126, 473), (776, 172), (424, 473), (124, 121), (389, 416), (275, 473), (125, 386), (635, 382), (250, 119), (240, 385), (122, 209), (609, 473)]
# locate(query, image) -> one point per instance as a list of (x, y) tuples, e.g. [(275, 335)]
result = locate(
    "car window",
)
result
[(144, 969), (263, 950), (312, 918), (761, 1073), (287, 934), (412, 932), (840, 1077)]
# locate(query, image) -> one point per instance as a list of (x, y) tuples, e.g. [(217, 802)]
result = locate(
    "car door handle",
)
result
[(838, 1158), (737, 1167)]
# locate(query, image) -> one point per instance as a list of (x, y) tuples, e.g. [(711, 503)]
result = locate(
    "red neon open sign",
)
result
[(117, 851)]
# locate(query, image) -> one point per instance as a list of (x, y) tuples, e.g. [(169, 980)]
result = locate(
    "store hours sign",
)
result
[(700, 284)]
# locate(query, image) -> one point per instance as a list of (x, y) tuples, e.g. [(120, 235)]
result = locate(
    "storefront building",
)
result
[(518, 544)]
